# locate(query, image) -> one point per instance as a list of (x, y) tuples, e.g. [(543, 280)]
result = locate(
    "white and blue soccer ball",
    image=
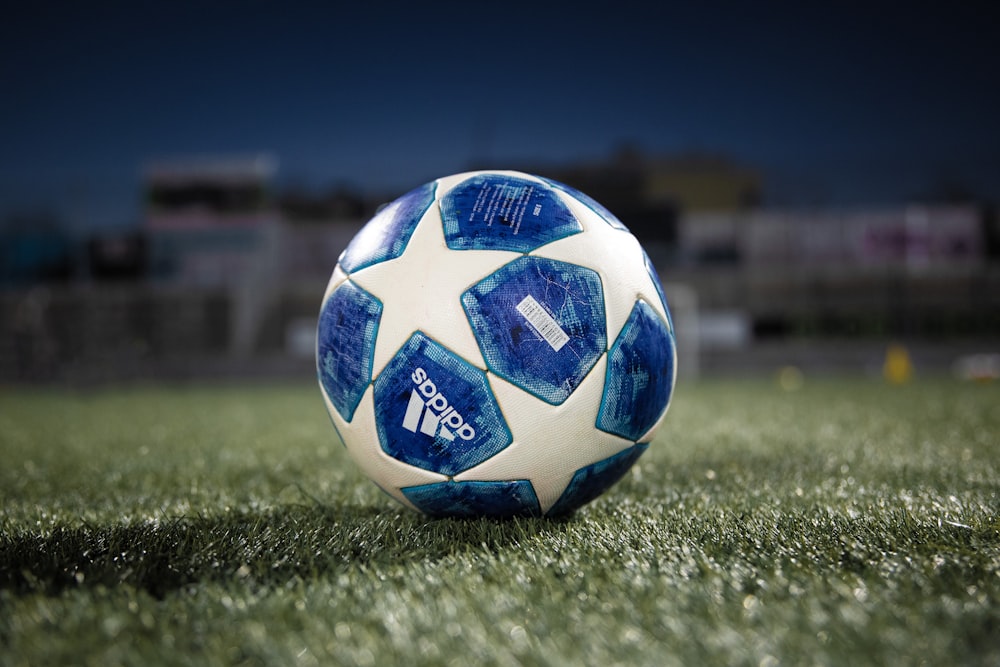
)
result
[(495, 344)]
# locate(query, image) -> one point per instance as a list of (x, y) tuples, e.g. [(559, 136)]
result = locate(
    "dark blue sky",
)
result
[(852, 103)]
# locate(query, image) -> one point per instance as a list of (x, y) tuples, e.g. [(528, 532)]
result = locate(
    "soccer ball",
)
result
[(494, 343)]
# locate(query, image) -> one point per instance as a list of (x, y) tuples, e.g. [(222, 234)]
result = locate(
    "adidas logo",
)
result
[(430, 412)]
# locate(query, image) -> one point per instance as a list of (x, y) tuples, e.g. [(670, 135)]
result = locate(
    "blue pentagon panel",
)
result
[(436, 411), (540, 324), (348, 327), (640, 375), (593, 480), (658, 284), (590, 203), (386, 235), (475, 499), (498, 212)]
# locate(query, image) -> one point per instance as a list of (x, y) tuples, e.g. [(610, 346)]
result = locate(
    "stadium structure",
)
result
[(224, 273)]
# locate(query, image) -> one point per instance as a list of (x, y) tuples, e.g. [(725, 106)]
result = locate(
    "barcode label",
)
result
[(542, 322)]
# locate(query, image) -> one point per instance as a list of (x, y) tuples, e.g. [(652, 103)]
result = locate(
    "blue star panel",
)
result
[(540, 324), (593, 480), (475, 499), (348, 327), (435, 411), (386, 235), (640, 375), (498, 212)]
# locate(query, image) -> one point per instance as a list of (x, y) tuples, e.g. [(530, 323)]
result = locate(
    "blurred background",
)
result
[(817, 186)]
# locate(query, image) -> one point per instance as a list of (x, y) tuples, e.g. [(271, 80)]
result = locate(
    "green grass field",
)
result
[(846, 523)]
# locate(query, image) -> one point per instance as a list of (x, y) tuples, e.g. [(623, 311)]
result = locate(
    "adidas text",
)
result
[(429, 411)]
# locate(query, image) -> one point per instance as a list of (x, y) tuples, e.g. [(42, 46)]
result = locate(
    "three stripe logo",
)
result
[(419, 416), (430, 413)]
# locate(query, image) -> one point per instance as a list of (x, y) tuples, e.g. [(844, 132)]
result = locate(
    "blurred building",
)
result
[(920, 271), (210, 222), (224, 273), (651, 193)]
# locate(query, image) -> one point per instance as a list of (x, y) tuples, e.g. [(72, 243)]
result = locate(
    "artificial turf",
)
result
[(848, 522)]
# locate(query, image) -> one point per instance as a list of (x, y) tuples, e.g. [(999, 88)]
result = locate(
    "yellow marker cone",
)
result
[(898, 368)]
